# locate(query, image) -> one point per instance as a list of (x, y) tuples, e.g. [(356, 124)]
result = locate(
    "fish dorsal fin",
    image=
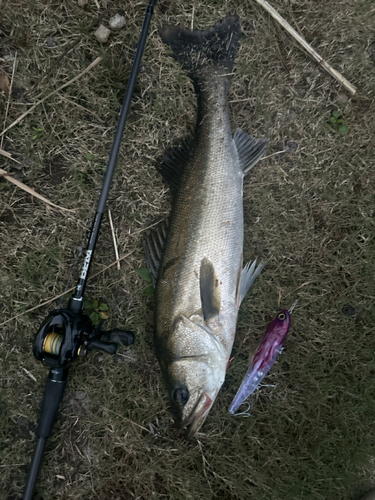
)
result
[(249, 149), (210, 290), (153, 246), (173, 163), (247, 277)]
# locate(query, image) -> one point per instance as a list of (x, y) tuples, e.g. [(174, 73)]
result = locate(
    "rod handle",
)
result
[(34, 469), (53, 395)]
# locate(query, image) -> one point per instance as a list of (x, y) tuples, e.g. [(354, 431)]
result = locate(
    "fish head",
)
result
[(194, 373)]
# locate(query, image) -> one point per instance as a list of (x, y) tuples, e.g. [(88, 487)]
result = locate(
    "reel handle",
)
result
[(119, 337), (107, 342)]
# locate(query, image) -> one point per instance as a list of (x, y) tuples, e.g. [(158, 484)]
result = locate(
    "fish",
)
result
[(196, 260), (270, 347)]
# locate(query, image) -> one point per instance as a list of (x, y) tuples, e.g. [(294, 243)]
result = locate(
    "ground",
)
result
[(309, 212)]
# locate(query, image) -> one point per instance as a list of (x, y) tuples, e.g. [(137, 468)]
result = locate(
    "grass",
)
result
[(308, 211)]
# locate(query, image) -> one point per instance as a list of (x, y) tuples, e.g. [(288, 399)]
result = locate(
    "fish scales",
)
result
[(207, 215), (200, 282)]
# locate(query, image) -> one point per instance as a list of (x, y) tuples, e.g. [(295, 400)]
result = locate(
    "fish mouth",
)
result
[(199, 413)]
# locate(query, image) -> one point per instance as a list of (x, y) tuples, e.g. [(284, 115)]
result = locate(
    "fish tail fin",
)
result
[(198, 49)]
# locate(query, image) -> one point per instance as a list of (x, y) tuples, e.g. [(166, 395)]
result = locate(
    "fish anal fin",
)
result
[(250, 150), (173, 163), (247, 277), (153, 246), (209, 289)]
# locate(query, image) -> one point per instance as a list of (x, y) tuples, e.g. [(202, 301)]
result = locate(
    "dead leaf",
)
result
[(4, 83)]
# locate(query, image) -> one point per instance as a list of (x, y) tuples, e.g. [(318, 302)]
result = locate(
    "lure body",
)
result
[(266, 355)]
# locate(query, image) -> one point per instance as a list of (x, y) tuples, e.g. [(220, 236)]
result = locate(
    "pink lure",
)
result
[(264, 358)]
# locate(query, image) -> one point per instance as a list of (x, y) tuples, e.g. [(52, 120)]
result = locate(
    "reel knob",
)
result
[(121, 337)]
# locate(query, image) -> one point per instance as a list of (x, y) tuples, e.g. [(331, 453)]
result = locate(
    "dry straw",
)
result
[(19, 119), (28, 189), (338, 76), (114, 239)]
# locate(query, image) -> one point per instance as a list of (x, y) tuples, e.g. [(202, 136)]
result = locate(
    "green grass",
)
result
[(309, 212)]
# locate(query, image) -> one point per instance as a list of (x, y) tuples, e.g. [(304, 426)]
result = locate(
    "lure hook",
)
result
[(293, 306), (244, 413)]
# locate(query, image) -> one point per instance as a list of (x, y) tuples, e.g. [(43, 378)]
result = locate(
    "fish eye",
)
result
[(181, 395), (281, 316)]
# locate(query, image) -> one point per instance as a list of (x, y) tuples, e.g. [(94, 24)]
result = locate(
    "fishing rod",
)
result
[(68, 333)]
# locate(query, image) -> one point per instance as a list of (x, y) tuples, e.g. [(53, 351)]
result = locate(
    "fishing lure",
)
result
[(268, 350)]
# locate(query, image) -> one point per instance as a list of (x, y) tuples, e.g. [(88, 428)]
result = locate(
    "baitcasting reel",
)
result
[(64, 335)]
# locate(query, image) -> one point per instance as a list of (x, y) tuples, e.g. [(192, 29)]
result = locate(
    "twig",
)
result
[(192, 20), (8, 155), (29, 374), (114, 239), (338, 76), (241, 100), (80, 107), (66, 291), (94, 63), (145, 228), (131, 421), (273, 154), (9, 96), (67, 49), (31, 191)]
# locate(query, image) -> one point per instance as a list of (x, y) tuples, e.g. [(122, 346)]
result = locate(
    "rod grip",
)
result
[(34, 469), (53, 395)]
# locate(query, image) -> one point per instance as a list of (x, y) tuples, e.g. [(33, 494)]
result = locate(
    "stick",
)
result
[(66, 291), (9, 96), (80, 107), (8, 155), (31, 191), (94, 63), (145, 228), (29, 374), (338, 76), (114, 239)]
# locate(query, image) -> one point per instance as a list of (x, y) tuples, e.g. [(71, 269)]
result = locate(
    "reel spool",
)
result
[(52, 343), (60, 336)]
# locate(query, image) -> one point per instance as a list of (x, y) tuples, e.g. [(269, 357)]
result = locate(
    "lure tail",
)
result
[(251, 381)]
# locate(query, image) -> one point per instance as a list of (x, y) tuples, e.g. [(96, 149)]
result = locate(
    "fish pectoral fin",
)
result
[(247, 277), (250, 150), (153, 246), (173, 163), (210, 290)]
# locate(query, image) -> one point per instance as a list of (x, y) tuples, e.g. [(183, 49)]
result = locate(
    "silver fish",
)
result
[(196, 262)]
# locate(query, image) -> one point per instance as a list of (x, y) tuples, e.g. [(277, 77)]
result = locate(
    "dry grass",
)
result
[(309, 212)]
